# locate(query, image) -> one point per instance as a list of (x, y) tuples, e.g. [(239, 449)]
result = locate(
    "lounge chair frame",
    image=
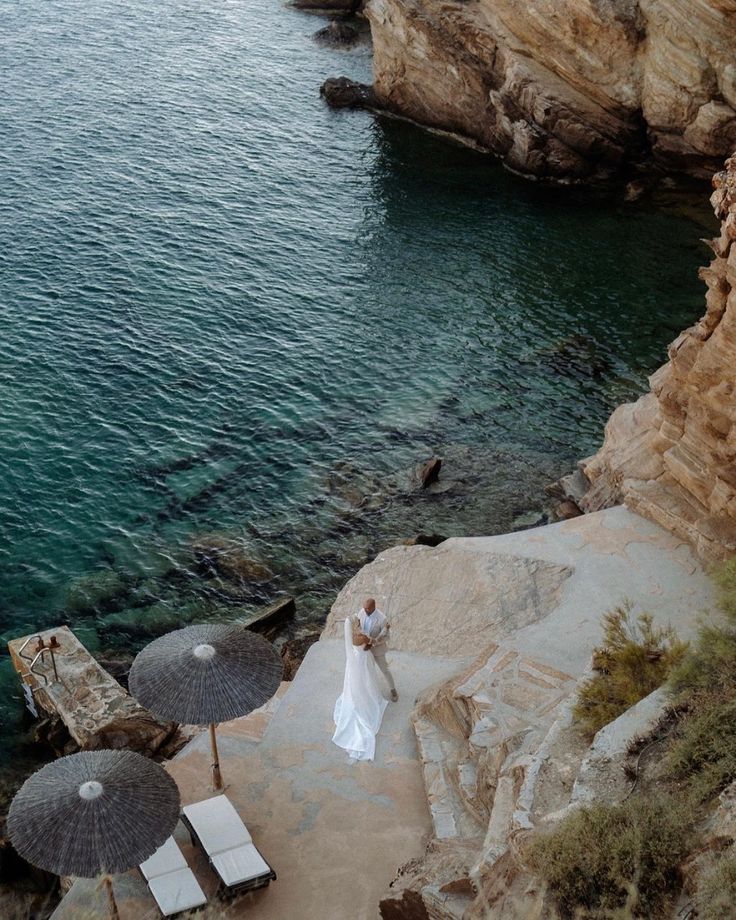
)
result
[(224, 889)]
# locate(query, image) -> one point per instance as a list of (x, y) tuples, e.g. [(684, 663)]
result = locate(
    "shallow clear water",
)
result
[(225, 309)]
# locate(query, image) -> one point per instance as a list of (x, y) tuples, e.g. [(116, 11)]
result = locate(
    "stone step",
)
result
[(552, 769), (509, 695), (474, 760), (446, 769)]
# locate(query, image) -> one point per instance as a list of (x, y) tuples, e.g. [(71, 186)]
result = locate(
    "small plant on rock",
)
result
[(635, 658)]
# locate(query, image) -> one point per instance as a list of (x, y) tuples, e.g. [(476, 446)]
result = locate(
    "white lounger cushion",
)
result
[(217, 824), (177, 891), (167, 858), (240, 865)]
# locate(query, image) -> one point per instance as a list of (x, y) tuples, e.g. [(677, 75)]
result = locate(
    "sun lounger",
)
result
[(219, 830), (171, 881)]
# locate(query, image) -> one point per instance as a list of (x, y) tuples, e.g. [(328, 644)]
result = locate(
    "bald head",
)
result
[(369, 604)]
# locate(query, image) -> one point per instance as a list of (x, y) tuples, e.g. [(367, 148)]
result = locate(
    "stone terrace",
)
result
[(333, 830), (489, 634)]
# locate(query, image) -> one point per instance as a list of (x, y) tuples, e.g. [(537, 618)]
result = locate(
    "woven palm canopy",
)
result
[(205, 674), (93, 812)]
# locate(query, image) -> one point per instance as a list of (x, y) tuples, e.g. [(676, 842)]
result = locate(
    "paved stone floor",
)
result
[(334, 831)]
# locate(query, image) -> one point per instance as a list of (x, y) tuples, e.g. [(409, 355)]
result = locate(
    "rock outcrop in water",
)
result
[(671, 455), (566, 89), (342, 93)]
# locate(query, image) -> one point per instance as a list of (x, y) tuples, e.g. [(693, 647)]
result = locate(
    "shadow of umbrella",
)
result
[(206, 674), (94, 813)]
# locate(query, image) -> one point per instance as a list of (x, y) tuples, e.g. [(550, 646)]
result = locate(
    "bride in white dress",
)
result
[(360, 707)]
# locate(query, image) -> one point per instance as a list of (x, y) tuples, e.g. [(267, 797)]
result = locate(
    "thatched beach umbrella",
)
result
[(94, 813), (205, 674)]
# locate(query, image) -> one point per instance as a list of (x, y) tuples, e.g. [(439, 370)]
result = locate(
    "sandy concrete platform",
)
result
[(335, 831)]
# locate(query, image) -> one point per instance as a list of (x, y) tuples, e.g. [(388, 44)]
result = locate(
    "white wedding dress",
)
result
[(360, 707)]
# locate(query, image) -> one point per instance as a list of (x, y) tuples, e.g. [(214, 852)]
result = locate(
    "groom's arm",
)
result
[(384, 631)]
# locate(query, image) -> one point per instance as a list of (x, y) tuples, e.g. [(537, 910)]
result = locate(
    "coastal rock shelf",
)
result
[(95, 709), (671, 455), (488, 595), (566, 89)]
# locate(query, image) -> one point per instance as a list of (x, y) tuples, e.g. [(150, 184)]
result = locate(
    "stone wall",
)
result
[(671, 456), (566, 89)]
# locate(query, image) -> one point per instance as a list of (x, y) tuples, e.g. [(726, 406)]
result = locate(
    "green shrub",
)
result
[(709, 665), (716, 895), (608, 858), (702, 756), (636, 657)]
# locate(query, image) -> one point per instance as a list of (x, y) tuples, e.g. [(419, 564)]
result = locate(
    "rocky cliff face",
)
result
[(566, 89), (671, 456)]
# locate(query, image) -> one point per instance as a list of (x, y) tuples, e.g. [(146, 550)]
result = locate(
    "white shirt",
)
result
[(373, 624)]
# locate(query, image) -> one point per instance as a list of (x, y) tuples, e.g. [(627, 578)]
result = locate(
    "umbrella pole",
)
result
[(114, 915), (216, 775)]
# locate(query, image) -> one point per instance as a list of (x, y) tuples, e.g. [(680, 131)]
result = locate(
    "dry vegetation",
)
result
[(606, 858), (716, 897), (636, 657), (626, 860)]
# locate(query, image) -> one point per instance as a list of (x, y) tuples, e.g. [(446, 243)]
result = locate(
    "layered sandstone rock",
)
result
[(671, 456), (566, 89)]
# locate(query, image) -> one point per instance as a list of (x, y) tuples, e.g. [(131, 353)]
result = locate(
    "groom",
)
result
[(374, 625)]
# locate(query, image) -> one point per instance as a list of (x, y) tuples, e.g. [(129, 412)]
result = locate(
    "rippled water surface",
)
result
[(231, 321)]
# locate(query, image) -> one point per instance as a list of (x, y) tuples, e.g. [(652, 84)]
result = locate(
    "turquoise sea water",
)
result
[(231, 317)]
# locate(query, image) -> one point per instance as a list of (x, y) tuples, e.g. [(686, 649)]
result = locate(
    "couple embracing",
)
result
[(359, 710)]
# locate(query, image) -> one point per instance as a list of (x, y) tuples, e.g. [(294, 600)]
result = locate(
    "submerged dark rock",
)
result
[(429, 472), (153, 620), (96, 592), (578, 356), (337, 34), (343, 93), (220, 554)]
